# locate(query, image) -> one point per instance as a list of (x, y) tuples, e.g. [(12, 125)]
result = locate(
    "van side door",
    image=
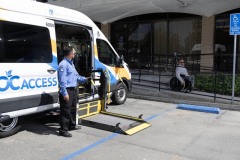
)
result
[(28, 62)]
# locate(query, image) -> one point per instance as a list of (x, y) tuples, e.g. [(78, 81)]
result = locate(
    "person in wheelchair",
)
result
[(183, 76)]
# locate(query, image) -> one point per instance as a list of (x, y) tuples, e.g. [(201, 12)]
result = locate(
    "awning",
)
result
[(106, 11)]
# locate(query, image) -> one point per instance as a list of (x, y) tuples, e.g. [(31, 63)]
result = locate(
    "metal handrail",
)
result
[(161, 67)]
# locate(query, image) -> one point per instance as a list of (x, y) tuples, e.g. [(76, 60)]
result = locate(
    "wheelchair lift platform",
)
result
[(115, 123), (91, 111)]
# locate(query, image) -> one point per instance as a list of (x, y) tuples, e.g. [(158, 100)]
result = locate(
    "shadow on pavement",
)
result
[(41, 124)]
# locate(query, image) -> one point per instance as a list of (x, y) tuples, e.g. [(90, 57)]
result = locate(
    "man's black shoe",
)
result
[(74, 128), (65, 134)]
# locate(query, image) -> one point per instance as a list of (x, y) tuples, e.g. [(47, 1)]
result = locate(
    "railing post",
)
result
[(174, 63), (139, 65), (215, 86), (193, 62), (159, 73)]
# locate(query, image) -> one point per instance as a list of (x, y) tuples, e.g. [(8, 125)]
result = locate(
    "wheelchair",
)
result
[(176, 85)]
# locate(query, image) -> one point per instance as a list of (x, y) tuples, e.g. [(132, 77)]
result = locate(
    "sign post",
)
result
[(234, 30)]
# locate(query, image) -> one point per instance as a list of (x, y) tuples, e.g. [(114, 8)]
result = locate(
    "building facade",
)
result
[(152, 39)]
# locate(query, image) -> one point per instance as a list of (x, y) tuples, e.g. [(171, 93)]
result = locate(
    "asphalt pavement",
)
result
[(174, 135)]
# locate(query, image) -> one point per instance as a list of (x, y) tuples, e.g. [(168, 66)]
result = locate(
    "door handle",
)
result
[(51, 71)]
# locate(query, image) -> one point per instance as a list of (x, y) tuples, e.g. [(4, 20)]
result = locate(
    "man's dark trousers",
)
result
[(66, 117)]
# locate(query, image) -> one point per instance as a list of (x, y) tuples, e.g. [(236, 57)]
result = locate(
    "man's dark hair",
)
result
[(67, 50)]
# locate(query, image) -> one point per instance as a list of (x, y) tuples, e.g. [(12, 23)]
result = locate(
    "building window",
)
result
[(224, 44), (150, 41), (98, 25), (160, 38), (21, 43), (119, 38), (105, 53), (134, 41), (184, 34)]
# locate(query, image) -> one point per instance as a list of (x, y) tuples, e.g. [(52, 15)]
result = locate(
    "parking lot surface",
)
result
[(174, 135)]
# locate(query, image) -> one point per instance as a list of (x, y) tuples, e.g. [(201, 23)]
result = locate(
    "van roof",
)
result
[(46, 10)]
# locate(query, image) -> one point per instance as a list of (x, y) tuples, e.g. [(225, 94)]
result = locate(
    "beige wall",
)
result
[(105, 28), (208, 29)]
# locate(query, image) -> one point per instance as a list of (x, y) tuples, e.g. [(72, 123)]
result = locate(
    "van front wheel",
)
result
[(120, 95), (10, 127)]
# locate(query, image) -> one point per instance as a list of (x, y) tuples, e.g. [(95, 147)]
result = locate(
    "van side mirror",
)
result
[(119, 61), (122, 57)]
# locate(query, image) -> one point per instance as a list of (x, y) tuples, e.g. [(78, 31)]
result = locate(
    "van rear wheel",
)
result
[(10, 127), (120, 95)]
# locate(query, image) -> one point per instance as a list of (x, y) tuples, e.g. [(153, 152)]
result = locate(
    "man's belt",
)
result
[(71, 88)]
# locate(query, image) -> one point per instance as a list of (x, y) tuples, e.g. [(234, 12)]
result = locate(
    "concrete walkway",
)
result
[(149, 86), (146, 93)]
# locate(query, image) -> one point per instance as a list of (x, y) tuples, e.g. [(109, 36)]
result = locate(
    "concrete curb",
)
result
[(213, 110)]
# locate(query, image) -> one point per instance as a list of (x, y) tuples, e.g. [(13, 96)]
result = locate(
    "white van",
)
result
[(32, 38)]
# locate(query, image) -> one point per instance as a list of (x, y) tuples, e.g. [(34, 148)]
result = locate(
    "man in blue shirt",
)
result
[(68, 79)]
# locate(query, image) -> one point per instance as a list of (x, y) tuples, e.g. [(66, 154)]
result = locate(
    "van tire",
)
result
[(16, 125), (120, 94)]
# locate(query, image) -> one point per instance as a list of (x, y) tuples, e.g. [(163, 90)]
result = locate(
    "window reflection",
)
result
[(134, 41), (147, 41), (160, 37), (223, 54), (184, 34)]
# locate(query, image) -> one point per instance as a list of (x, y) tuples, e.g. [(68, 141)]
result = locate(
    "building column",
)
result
[(105, 28), (208, 46)]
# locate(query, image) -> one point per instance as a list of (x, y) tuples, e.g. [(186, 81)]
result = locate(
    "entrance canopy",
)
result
[(106, 11)]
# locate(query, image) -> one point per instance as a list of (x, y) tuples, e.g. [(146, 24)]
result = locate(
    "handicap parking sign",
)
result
[(235, 24)]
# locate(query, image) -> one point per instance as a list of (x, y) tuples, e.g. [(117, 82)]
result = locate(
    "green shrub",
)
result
[(219, 83)]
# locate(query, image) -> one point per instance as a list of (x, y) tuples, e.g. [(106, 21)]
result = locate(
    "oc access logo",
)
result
[(8, 81)]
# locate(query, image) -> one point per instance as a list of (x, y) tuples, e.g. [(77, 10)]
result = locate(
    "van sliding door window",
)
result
[(105, 53), (79, 38), (21, 43)]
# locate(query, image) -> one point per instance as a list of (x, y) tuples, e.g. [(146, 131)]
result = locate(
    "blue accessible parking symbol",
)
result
[(235, 24)]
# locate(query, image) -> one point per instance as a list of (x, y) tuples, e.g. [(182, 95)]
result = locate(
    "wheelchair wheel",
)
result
[(176, 85)]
